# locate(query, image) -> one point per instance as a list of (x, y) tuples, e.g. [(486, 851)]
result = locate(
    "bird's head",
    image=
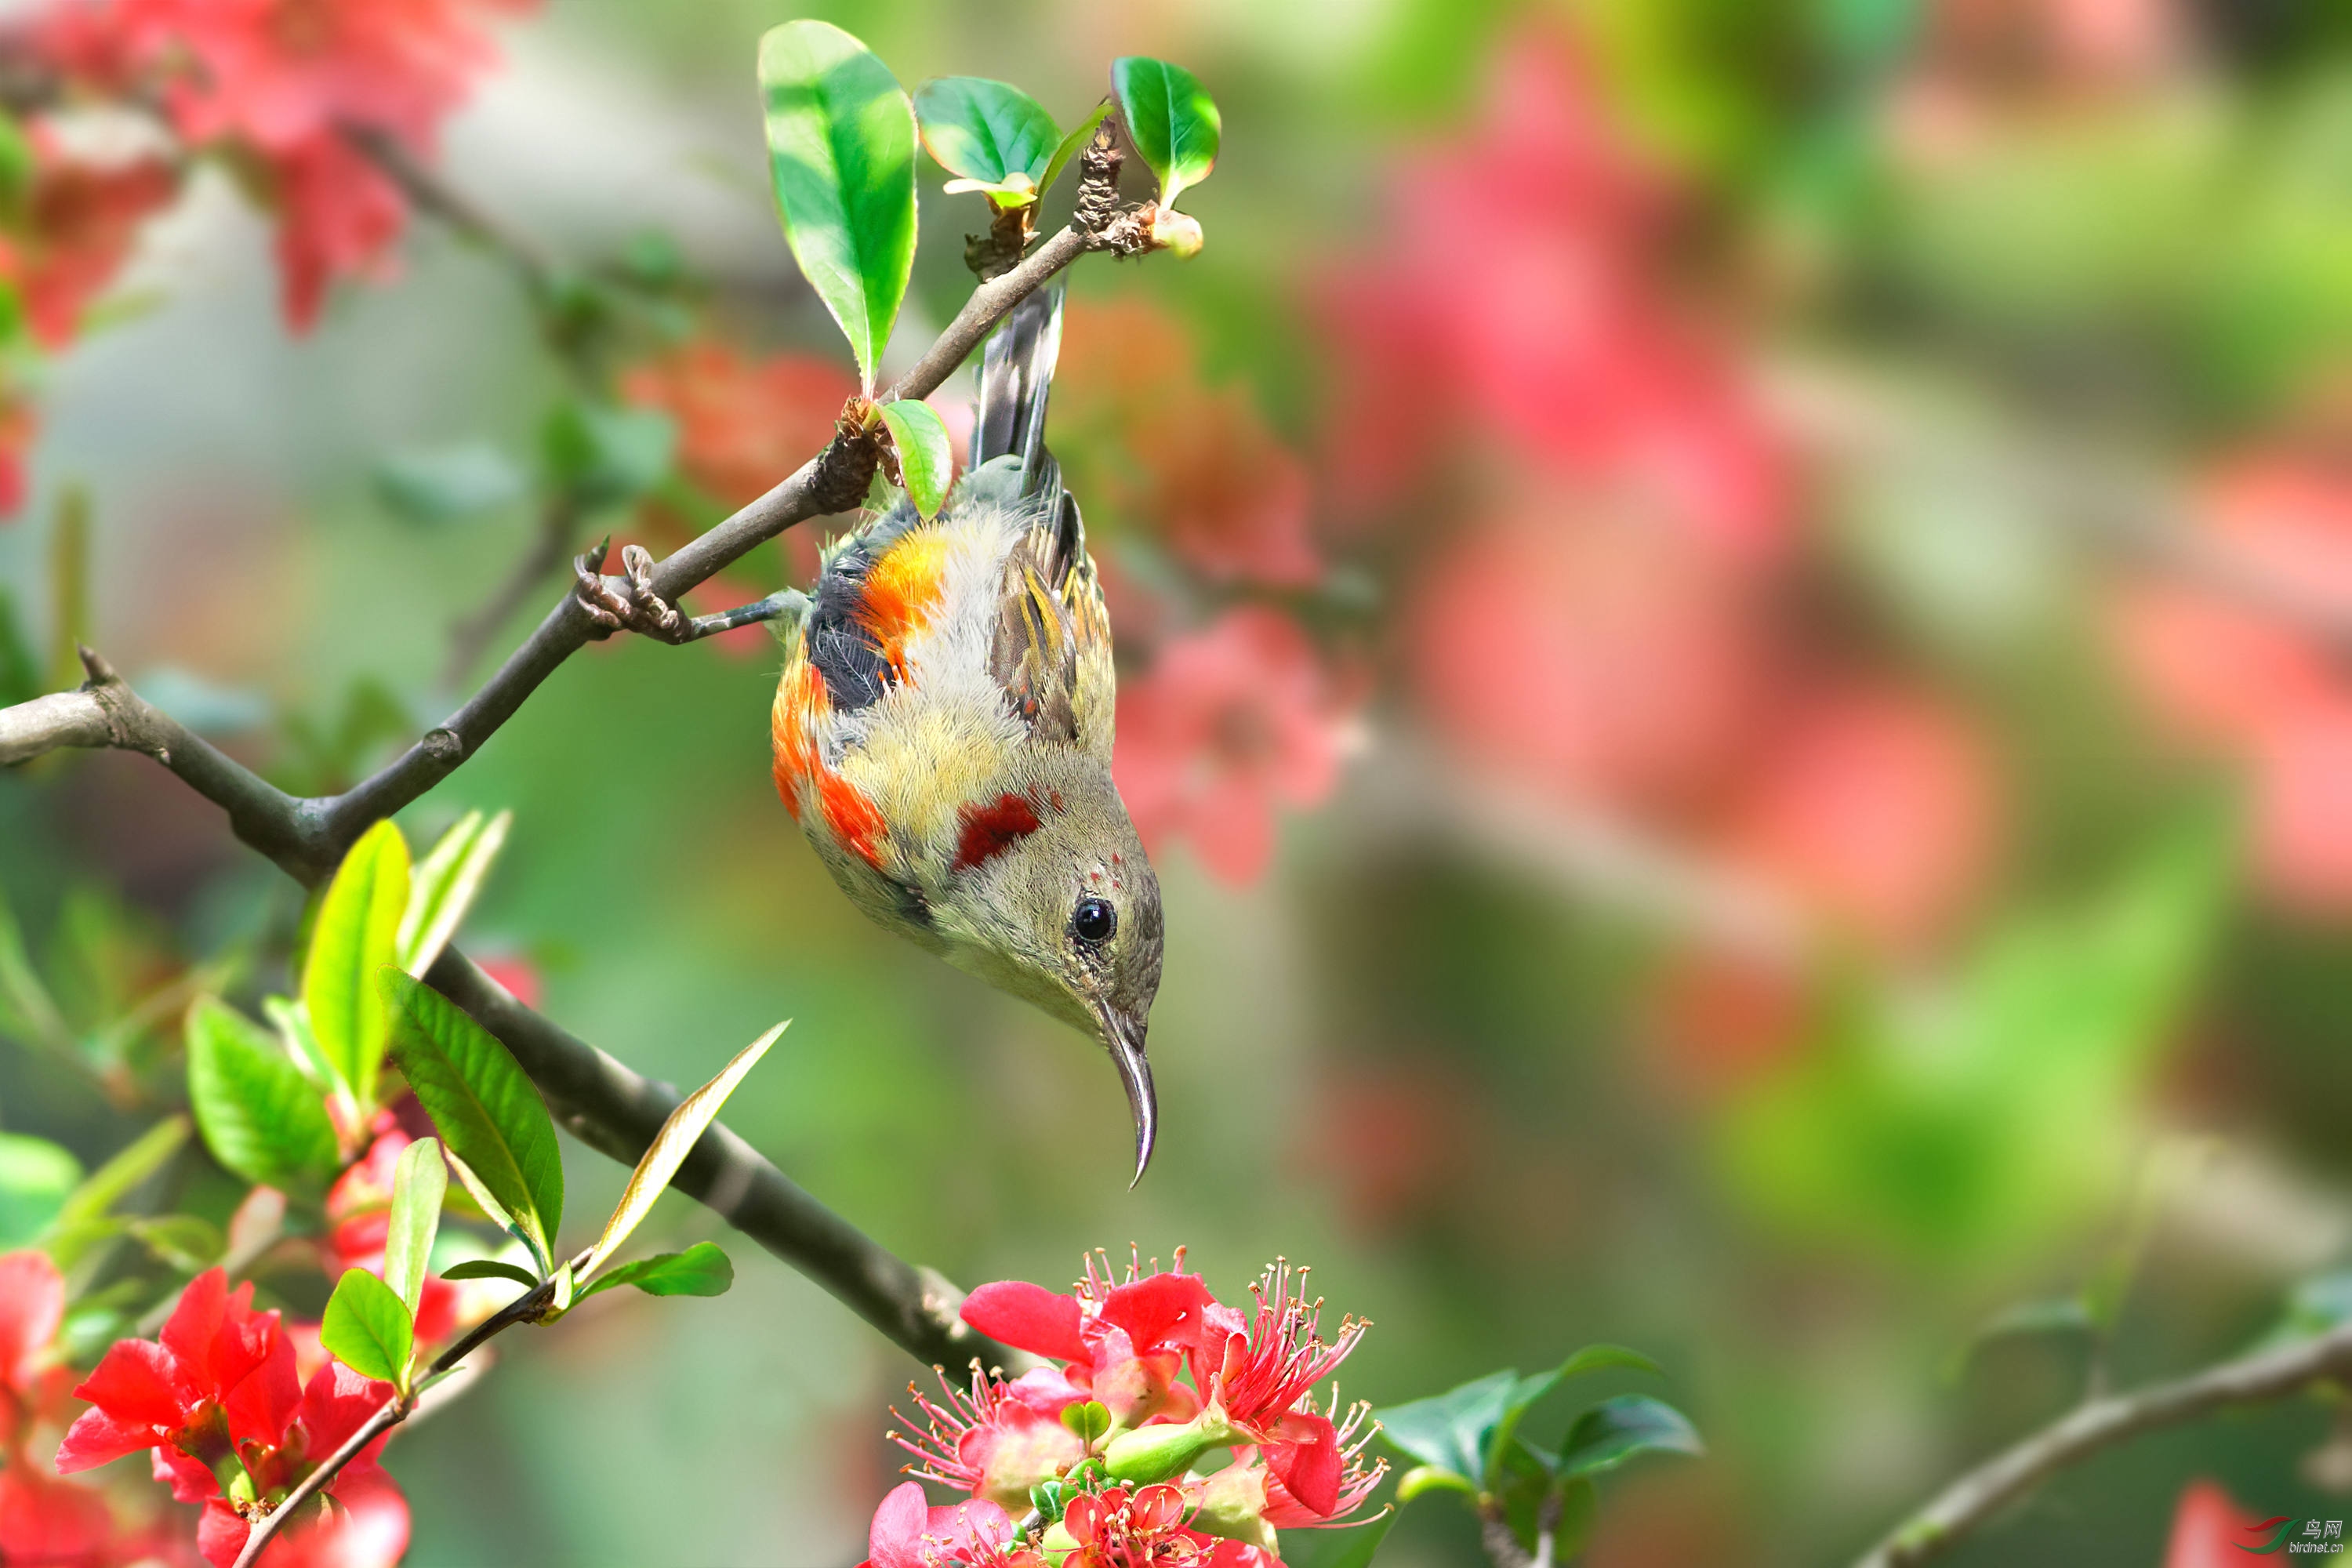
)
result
[(1051, 897)]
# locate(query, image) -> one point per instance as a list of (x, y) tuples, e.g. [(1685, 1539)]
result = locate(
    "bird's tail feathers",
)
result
[(1016, 379)]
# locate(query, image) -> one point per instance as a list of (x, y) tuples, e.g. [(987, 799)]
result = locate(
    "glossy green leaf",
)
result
[(1531, 1390), (1615, 1430), (701, 1269), (1173, 124), (989, 133), (448, 483), (367, 1328), (35, 1178), (120, 1176), (418, 1182), (443, 884), (292, 1022), (260, 1116), (603, 455), (680, 1132), (841, 152), (1071, 144), (926, 460), (357, 934), (491, 1268), (1450, 1430), (485, 1107)]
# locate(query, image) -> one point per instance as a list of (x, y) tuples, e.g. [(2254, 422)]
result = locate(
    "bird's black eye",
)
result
[(1094, 919)]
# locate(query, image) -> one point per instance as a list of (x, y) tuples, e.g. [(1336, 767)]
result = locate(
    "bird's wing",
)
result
[(1051, 651)]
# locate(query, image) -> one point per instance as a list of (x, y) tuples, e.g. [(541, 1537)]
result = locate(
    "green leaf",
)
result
[(491, 1268), (261, 1118), (292, 1022), (357, 934), (841, 152), (115, 1180), (926, 460), (1089, 1420), (1450, 1430), (605, 456), (669, 1149), (487, 1110), (1070, 145), (36, 1176), (1614, 1430), (449, 482), (1531, 1389), (700, 1270), (1173, 124), (368, 1329), (181, 1241), (443, 885), (418, 1182), (986, 131)]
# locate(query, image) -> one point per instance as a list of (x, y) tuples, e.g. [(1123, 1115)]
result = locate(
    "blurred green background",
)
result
[(1827, 541)]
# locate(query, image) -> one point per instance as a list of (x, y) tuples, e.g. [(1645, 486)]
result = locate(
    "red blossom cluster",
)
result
[(1616, 617), (2232, 677), (282, 92), (1154, 1374), (216, 1398)]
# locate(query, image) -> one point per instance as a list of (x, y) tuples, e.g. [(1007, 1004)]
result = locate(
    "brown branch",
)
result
[(610, 1108), (1969, 1503)]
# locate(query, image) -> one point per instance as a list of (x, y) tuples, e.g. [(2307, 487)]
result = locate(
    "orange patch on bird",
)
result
[(852, 820), (991, 828), (900, 591)]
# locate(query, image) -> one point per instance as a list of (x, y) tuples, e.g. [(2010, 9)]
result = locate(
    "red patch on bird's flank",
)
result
[(989, 830)]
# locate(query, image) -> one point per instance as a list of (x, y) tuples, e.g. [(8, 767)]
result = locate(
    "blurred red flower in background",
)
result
[(1517, 298), (743, 423), (1590, 654), (1160, 448), (2242, 681), (80, 220), (1876, 806), (1229, 723), (2209, 1530), (359, 1220)]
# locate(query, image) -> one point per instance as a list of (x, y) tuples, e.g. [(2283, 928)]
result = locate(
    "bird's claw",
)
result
[(630, 602)]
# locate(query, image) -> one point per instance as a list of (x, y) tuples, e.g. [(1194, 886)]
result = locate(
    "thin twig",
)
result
[(393, 1412), (429, 192), (549, 543), (1974, 1499)]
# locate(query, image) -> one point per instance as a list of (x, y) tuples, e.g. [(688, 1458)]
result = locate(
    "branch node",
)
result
[(445, 746)]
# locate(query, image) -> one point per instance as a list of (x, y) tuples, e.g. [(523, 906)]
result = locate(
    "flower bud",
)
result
[(1155, 1453), (1231, 1504), (1177, 233)]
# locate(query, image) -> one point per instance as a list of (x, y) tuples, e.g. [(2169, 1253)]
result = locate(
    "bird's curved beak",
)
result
[(1123, 1036)]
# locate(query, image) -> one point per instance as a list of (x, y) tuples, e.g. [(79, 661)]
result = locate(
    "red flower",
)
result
[(1262, 1380), (358, 1216), (50, 1522), (742, 423), (1125, 1341), (1517, 296), (1228, 722), (1158, 447), (909, 1533), (997, 1441), (218, 1378), (338, 215), (32, 1305), (216, 1396), (368, 1529), (1591, 655), (2210, 1530), (80, 221), (280, 74), (1878, 807), (1116, 1529)]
